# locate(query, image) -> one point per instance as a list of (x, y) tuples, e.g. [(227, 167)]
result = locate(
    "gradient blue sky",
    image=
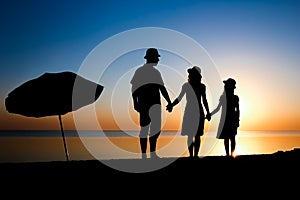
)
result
[(257, 42)]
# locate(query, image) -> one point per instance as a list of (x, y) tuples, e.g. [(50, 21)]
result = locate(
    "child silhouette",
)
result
[(229, 121)]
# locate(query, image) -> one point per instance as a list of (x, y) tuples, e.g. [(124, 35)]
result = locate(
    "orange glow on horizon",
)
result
[(278, 120)]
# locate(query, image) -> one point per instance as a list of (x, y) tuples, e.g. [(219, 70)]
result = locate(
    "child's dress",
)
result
[(229, 121)]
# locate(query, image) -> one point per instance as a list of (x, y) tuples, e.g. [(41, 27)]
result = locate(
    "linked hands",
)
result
[(169, 107), (208, 116)]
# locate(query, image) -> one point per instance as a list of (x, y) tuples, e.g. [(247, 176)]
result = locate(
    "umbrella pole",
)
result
[(63, 135)]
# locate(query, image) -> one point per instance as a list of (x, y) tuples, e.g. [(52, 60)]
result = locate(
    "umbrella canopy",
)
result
[(52, 94)]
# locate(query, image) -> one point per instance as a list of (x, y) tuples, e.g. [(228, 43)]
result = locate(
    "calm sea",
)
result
[(32, 146)]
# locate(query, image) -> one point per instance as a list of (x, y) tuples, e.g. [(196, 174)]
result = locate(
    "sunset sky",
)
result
[(255, 42)]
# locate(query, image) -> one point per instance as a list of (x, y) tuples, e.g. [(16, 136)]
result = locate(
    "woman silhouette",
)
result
[(230, 116), (193, 118)]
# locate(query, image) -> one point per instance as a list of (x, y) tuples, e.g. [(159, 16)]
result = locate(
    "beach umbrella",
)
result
[(53, 94)]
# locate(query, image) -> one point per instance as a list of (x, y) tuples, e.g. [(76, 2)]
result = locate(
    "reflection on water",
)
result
[(31, 148)]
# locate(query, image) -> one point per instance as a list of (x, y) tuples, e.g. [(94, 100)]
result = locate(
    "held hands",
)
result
[(169, 107), (208, 116)]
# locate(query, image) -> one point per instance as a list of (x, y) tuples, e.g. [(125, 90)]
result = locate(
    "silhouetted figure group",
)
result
[(147, 88)]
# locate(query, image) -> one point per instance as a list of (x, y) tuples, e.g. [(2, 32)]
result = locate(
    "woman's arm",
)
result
[(205, 103), (180, 96)]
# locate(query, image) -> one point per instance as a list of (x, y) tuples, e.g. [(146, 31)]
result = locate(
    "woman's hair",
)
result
[(194, 79), (194, 74)]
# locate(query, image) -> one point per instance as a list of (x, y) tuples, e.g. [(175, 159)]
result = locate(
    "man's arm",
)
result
[(165, 94)]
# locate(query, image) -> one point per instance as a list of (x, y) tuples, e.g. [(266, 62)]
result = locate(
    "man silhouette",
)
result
[(147, 85)]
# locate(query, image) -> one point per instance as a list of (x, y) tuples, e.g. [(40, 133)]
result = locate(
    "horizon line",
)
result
[(171, 130)]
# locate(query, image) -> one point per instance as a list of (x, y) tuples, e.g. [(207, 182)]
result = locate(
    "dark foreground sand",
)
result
[(254, 172)]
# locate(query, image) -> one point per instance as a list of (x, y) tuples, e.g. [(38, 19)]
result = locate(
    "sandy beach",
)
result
[(281, 163), (266, 175)]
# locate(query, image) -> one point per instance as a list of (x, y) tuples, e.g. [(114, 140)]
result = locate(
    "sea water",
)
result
[(43, 146)]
